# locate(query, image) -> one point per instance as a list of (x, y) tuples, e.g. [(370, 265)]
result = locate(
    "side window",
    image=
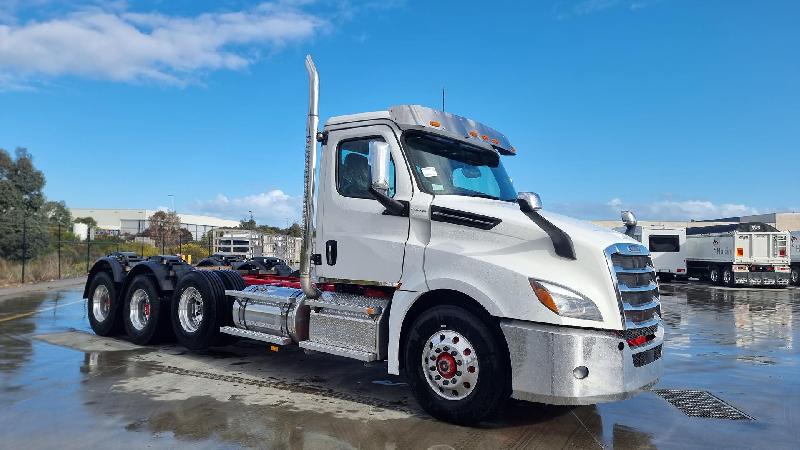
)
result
[(352, 168), (664, 243)]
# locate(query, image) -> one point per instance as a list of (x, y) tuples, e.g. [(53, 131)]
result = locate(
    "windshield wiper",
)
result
[(490, 197)]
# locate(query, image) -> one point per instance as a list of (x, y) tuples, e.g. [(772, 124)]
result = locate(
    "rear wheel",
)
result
[(103, 306), (727, 277), (714, 275), (145, 316), (456, 368), (195, 311)]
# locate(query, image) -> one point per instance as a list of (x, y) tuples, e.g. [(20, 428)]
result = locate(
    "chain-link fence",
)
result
[(31, 250)]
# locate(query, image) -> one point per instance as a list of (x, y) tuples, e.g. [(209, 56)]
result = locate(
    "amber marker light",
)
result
[(544, 296)]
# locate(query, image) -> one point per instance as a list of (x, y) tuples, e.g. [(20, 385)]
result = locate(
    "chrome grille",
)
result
[(640, 304)]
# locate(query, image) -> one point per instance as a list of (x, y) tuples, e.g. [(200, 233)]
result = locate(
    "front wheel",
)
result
[(457, 368)]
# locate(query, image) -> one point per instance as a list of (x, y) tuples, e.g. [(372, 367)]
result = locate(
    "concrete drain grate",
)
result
[(701, 404)]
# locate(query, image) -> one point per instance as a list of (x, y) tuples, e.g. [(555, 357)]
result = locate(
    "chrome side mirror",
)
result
[(629, 219), (379, 160), (529, 201)]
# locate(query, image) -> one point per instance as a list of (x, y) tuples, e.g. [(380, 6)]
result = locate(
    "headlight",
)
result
[(565, 302)]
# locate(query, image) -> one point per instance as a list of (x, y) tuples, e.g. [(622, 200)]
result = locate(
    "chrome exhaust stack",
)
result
[(307, 246)]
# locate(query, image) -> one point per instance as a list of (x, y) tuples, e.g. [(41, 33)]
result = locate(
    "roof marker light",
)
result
[(495, 142), (485, 137), (473, 133), (435, 123)]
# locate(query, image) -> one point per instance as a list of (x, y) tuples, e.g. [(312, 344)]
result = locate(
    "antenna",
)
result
[(442, 99)]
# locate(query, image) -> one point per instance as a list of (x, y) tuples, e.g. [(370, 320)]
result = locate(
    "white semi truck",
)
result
[(667, 245), (749, 253), (421, 255), (794, 253)]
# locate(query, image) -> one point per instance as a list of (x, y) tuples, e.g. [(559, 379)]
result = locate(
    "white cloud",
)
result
[(657, 210), (118, 45), (567, 8), (271, 207)]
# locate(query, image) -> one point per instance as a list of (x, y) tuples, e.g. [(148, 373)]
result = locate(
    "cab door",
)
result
[(357, 242)]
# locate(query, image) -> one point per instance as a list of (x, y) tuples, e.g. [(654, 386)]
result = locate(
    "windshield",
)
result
[(447, 167)]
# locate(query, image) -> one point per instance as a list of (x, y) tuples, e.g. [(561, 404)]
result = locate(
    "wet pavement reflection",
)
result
[(62, 387)]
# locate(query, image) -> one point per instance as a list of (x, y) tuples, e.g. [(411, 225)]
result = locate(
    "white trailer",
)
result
[(422, 254), (794, 253), (752, 253), (667, 247)]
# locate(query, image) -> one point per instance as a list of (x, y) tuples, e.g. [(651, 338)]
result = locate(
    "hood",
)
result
[(514, 223)]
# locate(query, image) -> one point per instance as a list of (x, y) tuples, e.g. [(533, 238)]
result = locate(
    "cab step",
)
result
[(256, 335)]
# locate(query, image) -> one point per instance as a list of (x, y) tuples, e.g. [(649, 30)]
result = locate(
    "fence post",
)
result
[(59, 250), (119, 238), (24, 246), (88, 247), (180, 241), (138, 233)]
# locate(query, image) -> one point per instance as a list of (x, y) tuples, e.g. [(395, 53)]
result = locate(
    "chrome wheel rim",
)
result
[(726, 277), (190, 309), (101, 303), (450, 365), (795, 275), (714, 276), (140, 309)]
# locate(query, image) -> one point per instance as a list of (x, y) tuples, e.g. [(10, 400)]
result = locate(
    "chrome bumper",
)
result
[(544, 359)]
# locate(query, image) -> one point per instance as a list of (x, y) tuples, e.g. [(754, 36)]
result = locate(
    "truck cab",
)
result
[(462, 238)]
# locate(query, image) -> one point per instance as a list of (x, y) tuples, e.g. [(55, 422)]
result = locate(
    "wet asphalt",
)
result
[(63, 387)]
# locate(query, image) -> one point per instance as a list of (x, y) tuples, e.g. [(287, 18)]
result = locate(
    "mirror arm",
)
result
[(562, 243), (393, 207)]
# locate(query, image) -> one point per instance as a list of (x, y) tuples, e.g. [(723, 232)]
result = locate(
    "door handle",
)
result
[(330, 252)]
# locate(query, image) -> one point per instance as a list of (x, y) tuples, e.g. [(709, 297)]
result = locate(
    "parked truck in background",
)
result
[(794, 253), (667, 245), (749, 254), (422, 254)]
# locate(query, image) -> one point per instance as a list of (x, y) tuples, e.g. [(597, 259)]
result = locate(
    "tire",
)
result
[(794, 277), (714, 276), (102, 306), (727, 277), (195, 310), (231, 280), (145, 313), (665, 277), (483, 384)]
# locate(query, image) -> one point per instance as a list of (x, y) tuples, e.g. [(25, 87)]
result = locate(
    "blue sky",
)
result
[(677, 109)]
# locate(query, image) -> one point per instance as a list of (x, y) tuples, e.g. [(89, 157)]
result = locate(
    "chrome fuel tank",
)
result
[(272, 310)]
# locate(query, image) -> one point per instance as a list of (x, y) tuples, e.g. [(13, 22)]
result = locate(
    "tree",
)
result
[(58, 214), (165, 228), (23, 223), (86, 220), (295, 230)]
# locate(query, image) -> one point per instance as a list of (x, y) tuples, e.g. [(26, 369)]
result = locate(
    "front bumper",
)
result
[(543, 358), (762, 278)]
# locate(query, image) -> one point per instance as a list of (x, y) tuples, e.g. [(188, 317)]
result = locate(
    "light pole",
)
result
[(172, 199)]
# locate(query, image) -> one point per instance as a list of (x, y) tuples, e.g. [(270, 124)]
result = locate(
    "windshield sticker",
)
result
[(437, 187), (429, 172)]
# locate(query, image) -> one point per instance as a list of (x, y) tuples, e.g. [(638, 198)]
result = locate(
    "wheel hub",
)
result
[(450, 365), (140, 309), (446, 365)]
